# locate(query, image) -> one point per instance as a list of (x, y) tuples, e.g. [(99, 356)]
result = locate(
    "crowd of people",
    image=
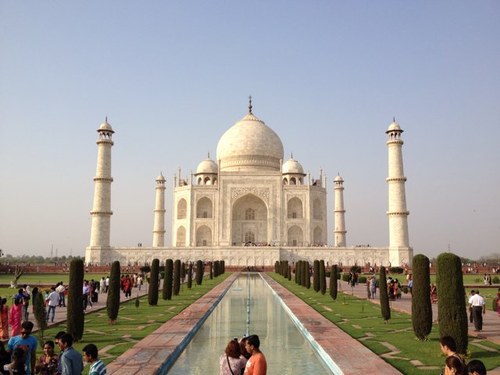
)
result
[(455, 363)]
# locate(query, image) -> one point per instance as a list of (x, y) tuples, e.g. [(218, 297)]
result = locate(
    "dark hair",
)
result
[(254, 340), (455, 363), (449, 342), (59, 334), (243, 350), (67, 339), (233, 349), (91, 350), (49, 343), (476, 366), (27, 325)]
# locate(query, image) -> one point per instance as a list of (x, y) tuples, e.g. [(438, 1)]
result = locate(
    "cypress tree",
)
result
[(384, 296), (316, 275), (289, 273), (421, 308), (154, 283), (113, 298), (211, 267), (223, 263), (277, 267), (190, 276), (199, 272), (75, 316), (322, 277), (167, 282), (297, 267), (308, 275), (183, 271), (40, 313), (177, 277), (334, 273), (452, 313)]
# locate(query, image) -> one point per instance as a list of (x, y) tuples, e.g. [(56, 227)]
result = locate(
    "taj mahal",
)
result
[(250, 207)]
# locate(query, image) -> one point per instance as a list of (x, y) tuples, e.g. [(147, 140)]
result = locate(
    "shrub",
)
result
[(495, 280), (190, 276), (199, 272), (421, 307), (356, 269), (277, 267), (362, 279), (307, 275), (155, 283), (316, 275), (333, 282), (211, 269), (40, 313), (452, 313), (177, 277), (397, 270), (168, 280), (75, 316), (385, 309), (322, 277), (346, 277), (113, 298)]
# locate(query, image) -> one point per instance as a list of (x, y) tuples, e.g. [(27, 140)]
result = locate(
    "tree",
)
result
[(334, 274), (421, 308), (308, 275), (168, 280), (211, 267), (316, 275), (75, 316), (452, 313), (113, 298), (199, 272), (177, 277), (190, 276), (385, 309), (322, 277), (18, 272), (40, 313), (154, 283)]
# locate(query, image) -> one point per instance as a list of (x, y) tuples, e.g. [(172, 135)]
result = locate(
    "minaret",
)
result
[(101, 209), (339, 232), (397, 213), (159, 221)]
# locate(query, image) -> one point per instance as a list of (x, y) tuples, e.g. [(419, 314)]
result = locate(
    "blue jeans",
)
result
[(53, 309)]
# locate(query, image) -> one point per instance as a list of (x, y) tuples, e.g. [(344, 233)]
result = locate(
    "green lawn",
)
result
[(362, 320), (134, 323)]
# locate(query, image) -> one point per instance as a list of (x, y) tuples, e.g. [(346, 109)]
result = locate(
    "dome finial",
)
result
[(250, 104), (208, 155), (393, 118), (291, 155), (106, 120)]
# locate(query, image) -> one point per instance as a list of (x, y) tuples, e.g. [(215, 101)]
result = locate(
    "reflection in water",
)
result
[(285, 348)]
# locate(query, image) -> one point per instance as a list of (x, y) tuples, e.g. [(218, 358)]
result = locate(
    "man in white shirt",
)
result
[(478, 307), (53, 301)]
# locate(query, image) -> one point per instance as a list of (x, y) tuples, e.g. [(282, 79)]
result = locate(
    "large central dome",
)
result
[(249, 145)]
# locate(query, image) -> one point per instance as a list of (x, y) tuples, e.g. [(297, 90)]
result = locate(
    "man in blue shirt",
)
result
[(71, 360), (27, 343)]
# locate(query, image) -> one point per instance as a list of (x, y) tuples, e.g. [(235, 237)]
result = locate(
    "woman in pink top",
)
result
[(4, 319), (15, 317), (232, 362)]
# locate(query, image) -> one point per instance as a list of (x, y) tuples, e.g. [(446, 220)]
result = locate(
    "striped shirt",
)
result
[(97, 368)]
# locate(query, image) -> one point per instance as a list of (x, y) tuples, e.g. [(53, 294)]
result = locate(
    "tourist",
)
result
[(26, 342), (232, 362), (23, 296), (434, 294), (102, 285), (18, 364), (48, 362), (86, 294), (16, 316), (476, 367), (90, 354), (56, 340), (454, 366), (71, 360), (478, 306), (52, 302), (244, 353), (4, 319), (373, 286), (61, 289), (257, 364), (449, 349)]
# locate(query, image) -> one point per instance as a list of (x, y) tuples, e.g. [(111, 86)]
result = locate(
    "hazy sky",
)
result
[(173, 76)]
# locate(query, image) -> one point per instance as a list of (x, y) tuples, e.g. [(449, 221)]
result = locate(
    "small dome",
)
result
[(394, 126), (249, 145), (292, 166), (207, 166), (338, 179), (106, 126), (160, 178)]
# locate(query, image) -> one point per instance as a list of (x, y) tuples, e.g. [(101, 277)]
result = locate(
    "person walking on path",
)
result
[(4, 319), (27, 343), (71, 360), (478, 306), (257, 364), (61, 289), (52, 302), (90, 354)]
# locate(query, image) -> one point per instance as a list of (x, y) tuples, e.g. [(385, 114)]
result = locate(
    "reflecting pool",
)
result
[(251, 307)]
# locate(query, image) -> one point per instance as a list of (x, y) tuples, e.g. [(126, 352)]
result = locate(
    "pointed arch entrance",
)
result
[(249, 221)]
